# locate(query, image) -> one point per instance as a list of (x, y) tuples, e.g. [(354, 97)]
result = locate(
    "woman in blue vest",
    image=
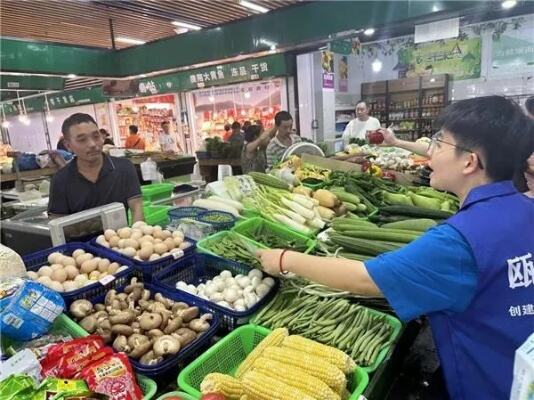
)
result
[(472, 275)]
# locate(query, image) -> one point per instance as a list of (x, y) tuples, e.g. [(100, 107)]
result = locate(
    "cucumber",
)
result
[(345, 196), (269, 180), (420, 224), (364, 246), (379, 234), (415, 212), (350, 206)]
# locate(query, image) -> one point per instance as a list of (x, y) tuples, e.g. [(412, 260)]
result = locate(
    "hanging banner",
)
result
[(327, 64), (513, 54), (15, 82), (459, 58), (343, 72)]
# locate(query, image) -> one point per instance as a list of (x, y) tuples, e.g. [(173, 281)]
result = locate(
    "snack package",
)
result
[(31, 311), (51, 388), (72, 364), (17, 387), (40, 346), (113, 375), (73, 351), (23, 362)]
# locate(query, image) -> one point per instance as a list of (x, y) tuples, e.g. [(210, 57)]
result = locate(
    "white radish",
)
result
[(302, 200), (216, 205), (232, 203), (292, 224), (303, 211)]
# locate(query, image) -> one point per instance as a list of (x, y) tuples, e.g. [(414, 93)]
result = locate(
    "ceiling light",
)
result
[(508, 4), (72, 76), (432, 79), (142, 76), (435, 8), (368, 31), (247, 95), (211, 99), (5, 124), (253, 6), (179, 31), (186, 25), (123, 39), (49, 118), (377, 65)]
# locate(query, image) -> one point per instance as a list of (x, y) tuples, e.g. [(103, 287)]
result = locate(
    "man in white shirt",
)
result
[(358, 127), (167, 141)]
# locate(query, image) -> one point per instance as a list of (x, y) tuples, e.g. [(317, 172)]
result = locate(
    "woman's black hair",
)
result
[(252, 132), (495, 128)]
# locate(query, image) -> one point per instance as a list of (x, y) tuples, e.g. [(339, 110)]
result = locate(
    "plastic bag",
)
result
[(30, 312)]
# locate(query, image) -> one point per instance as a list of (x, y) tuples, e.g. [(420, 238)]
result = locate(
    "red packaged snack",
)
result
[(76, 349), (113, 375), (74, 344), (72, 364)]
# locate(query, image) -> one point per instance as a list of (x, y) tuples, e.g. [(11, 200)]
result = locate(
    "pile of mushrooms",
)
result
[(145, 327)]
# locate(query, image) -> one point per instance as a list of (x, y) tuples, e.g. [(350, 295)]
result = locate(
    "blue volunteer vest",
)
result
[(477, 346)]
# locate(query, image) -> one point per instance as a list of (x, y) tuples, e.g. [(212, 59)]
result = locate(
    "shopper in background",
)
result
[(227, 132), (107, 137), (134, 140), (167, 142), (92, 178), (472, 275), (283, 125), (61, 144), (358, 127), (253, 153), (236, 136), (245, 126)]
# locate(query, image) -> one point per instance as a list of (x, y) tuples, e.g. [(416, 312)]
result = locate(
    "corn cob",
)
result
[(295, 377), (332, 355), (273, 339), (313, 365), (223, 384), (258, 386)]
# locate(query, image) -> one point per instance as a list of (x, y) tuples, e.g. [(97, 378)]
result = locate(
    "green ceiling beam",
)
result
[(286, 27), (11, 82), (50, 58)]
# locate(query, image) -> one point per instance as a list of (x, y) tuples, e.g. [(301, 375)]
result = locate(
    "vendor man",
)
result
[(358, 127), (473, 274), (92, 178), (283, 138)]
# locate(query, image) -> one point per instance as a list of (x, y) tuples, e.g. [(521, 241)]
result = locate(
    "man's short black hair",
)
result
[(103, 132), (252, 132), (361, 101), (227, 127), (165, 123), (494, 127), (282, 116), (529, 105), (133, 129), (236, 125), (75, 119)]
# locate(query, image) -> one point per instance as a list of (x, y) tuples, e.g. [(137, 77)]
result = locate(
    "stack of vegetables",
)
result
[(231, 246), (359, 332), (359, 239), (285, 367)]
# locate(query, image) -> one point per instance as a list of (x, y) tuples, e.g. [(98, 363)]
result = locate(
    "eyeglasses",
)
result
[(436, 138)]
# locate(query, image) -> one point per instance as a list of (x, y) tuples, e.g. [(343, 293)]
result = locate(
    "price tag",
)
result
[(177, 254), (107, 280)]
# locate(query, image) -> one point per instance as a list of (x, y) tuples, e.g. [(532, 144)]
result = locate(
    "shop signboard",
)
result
[(513, 54), (457, 57), (242, 71), (11, 82), (57, 100), (343, 47)]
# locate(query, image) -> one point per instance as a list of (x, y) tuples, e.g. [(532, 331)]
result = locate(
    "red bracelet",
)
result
[(282, 271)]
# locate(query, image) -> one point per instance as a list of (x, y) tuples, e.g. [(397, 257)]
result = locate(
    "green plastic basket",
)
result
[(395, 324), (248, 228), (249, 213), (181, 395), (154, 215), (157, 191), (66, 325), (226, 355)]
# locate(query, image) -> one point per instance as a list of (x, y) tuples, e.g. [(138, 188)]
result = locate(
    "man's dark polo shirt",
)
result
[(71, 192)]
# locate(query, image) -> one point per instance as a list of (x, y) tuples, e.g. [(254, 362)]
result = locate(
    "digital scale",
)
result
[(32, 230)]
